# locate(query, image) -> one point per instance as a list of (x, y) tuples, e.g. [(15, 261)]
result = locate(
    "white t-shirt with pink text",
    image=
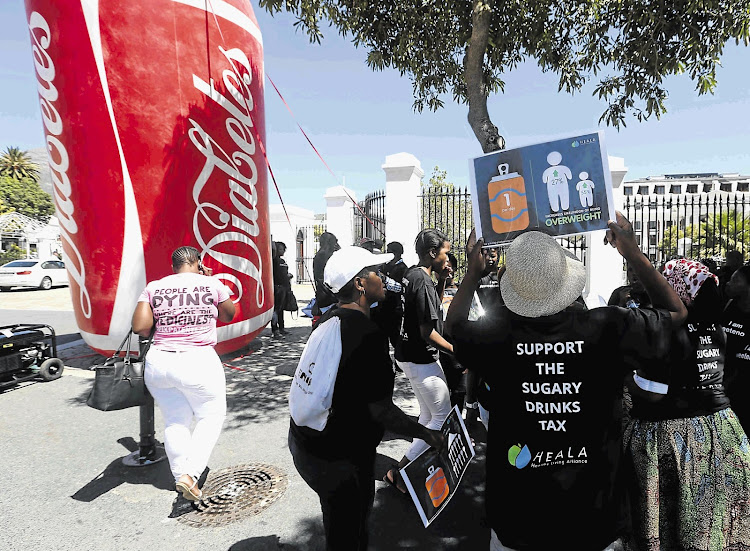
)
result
[(185, 309)]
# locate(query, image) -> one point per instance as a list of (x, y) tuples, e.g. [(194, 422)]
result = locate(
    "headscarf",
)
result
[(686, 277)]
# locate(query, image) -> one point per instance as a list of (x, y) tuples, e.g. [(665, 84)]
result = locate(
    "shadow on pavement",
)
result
[(258, 382), (116, 473), (309, 537), (68, 337)]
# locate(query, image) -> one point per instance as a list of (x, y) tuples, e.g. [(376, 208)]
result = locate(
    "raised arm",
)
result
[(620, 235), (461, 303)]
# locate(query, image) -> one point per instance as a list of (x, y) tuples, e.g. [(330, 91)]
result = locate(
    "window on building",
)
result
[(637, 225), (726, 186), (743, 186), (638, 240), (707, 187), (642, 190), (675, 188), (652, 224), (627, 190), (692, 188), (659, 190), (652, 239)]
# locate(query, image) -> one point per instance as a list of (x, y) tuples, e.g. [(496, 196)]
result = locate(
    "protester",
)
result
[(183, 372), (710, 263), (687, 445), (733, 261), (488, 298), (282, 287), (422, 339), (455, 373), (390, 310), (338, 462), (372, 245), (556, 370), (323, 296), (631, 295), (736, 322)]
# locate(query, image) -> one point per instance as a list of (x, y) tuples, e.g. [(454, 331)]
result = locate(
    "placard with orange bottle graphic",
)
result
[(508, 204), (437, 485)]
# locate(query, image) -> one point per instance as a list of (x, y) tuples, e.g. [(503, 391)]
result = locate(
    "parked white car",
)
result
[(33, 273)]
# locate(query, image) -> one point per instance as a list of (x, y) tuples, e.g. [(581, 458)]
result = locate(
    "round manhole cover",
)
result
[(236, 493)]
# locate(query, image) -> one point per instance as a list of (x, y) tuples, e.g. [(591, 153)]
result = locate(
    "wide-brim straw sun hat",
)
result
[(347, 262), (541, 278)]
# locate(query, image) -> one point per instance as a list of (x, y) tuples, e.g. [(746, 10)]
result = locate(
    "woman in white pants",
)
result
[(422, 339), (183, 372)]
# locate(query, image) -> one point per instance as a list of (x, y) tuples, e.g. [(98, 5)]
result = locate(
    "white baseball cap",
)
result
[(347, 262)]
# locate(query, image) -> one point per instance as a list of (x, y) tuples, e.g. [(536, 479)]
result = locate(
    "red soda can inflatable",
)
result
[(154, 124)]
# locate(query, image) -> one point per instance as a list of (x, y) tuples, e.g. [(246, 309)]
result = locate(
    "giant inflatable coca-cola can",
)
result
[(154, 124)]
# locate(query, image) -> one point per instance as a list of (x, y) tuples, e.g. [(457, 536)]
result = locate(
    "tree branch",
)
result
[(476, 87)]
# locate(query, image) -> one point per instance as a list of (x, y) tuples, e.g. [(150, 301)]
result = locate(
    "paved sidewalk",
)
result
[(64, 485)]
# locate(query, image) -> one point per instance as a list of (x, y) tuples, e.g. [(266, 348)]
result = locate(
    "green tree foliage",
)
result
[(448, 208), (717, 234), (17, 164), (464, 47), (26, 197), (4, 208), (14, 252)]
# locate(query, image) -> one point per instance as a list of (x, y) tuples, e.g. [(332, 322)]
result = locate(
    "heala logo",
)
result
[(577, 143), (519, 456)]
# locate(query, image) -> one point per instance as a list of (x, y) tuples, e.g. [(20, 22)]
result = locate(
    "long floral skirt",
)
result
[(691, 490)]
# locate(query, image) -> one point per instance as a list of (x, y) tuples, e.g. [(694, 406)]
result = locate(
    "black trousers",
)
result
[(279, 297), (346, 489)]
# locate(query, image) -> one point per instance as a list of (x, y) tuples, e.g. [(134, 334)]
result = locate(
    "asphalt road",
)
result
[(53, 308)]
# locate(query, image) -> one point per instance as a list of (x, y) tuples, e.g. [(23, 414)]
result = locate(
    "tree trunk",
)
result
[(476, 89)]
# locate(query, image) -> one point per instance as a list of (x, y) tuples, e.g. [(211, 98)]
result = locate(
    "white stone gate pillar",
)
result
[(340, 214), (604, 271), (403, 175)]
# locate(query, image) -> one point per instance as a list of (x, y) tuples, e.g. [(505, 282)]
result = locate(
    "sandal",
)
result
[(393, 480), (189, 488)]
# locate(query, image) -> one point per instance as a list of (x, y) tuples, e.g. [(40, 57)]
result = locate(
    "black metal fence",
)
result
[(448, 209), (695, 226), (373, 207), (305, 247)]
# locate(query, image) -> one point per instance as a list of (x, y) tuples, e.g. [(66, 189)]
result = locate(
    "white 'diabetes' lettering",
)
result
[(242, 190), (57, 154)]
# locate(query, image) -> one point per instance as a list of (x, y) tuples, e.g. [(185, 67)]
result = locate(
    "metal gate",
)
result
[(369, 217)]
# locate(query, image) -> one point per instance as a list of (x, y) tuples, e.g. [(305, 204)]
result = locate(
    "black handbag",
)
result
[(290, 302), (119, 382)]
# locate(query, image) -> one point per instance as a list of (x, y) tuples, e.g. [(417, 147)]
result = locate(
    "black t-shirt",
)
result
[(365, 376), (421, 305), (392, 301), (737, 372), (695, 375), (323, 296), (554, 445), (281, 272), (488, 292)]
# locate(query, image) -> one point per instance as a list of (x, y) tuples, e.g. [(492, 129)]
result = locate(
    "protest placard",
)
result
[(562, 187), (433, 477)]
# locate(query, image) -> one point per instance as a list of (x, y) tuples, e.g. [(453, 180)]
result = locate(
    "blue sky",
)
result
[(356, 117)]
